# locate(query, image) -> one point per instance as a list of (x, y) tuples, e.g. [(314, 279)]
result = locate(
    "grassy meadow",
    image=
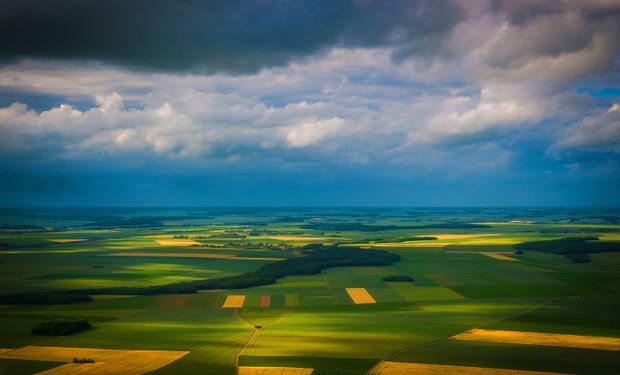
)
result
[(465, 269)]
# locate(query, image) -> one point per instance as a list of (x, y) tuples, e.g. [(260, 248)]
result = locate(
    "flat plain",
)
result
[(472, 302)]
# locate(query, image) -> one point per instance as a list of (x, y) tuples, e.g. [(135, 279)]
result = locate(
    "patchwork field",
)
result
[(107, 361), (536, 338), (226, 291)]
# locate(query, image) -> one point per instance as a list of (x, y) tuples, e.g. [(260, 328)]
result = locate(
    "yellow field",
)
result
[(107, 361), (234, 301), (298, 238), (461, 236), (67, 240), (188, 255), (535, 338), (250, 370), (398, 368), (489, 241), (499, 256), (493, 254), (360, 296), (512, 222), (176, 242)]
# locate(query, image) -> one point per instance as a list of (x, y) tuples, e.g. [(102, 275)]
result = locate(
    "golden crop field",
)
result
[(107, 361), (399, 368), (251, 370), (67, 240), (360, 296), (176, 242), (234, 301), (536, 338), (497, 255), (461, 236)]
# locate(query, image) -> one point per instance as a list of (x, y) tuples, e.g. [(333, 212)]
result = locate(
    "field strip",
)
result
[(234, 301), (251, 370), (499, 256), (477, 252), (107, 361), (401, 244), (67, 240), (461, 236), (177, 242), (360, 296), (300, 238), (512, 222), (398, 368), (493, 254), (535, 338), (291, 300), (187, 255), (265, 301)]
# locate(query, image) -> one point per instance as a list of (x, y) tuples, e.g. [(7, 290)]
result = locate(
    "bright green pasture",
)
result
[(371, 331)]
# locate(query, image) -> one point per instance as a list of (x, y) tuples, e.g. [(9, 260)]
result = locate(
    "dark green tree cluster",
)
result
[(60, 327), (83, 360), (317, 257), (574, 248), (398, 278)]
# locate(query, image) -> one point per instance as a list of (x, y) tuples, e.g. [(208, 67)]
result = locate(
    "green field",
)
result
[(309, 320)]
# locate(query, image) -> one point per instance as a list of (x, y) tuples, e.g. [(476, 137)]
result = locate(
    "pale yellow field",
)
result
[(360, 296), (234, 301), (298, 238), (512, 222), (493, 254), (399, 368), (107, 361), (176, 242), (461, 236), (67, 240), (250, 370), (187, 255), (489, 241), (536, 338), (499, 256)]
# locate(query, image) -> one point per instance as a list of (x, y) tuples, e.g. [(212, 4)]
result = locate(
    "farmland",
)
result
[(341, 291)]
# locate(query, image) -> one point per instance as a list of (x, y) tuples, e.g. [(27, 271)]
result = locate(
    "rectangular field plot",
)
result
[(456, 279), (514, 356), (176, 242), (546, 339), (265, 301), (398, 368), (107, 361), (250, 370), (360, 295), (318, 300), (423, 293), (291, 300), (234, 301)]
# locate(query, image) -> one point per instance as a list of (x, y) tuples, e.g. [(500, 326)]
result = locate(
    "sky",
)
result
[(310, 103)]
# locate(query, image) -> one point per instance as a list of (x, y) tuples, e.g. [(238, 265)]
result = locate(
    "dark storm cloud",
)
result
[(230, 36)]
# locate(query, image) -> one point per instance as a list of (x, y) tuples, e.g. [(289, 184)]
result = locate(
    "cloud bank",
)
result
[(405, 91)]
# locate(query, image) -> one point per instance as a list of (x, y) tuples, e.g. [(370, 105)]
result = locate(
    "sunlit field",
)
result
[(269, 291)]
